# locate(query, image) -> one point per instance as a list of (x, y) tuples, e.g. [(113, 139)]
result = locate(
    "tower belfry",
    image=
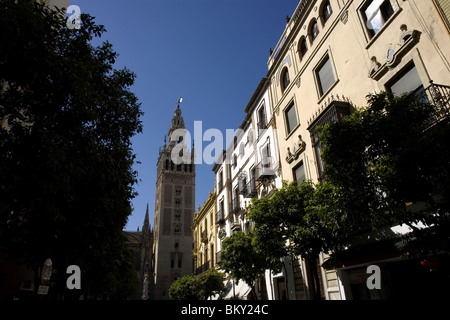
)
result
[(174, 208)]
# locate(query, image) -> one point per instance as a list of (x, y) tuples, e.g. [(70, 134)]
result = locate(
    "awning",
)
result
[(385, 244), (240, 292)]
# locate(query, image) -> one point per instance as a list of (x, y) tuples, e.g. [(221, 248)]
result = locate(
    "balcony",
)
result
[(262, 125), (265, 169), (204, 236), (235, 222), (439, 96), (218, 260), (220, 219), (251, 190), (203, 268), (235, 205)]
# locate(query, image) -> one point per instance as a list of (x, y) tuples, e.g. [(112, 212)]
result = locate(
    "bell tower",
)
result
[(174, 208)]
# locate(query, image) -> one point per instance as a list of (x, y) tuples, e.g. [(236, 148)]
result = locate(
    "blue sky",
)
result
[(212, 53)]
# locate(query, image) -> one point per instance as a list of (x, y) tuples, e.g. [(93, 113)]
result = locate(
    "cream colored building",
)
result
[(204, 253), (333, 53), (250, 168)]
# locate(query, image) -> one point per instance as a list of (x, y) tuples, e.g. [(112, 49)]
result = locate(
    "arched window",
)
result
[(302, 48), (250, 136), (326, 11), (285, 79), (313, 30)]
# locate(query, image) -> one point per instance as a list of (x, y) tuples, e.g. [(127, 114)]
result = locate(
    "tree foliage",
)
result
[(284, 225), (66, 159), (198, 287), (240, 258), (382, 159)]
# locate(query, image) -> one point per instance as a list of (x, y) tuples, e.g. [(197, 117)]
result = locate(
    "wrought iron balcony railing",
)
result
[(439, 96)]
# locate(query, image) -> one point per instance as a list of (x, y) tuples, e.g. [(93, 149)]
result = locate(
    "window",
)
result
[(313, 31), (262, 116), (326, 11), (335, 112), (291, 118), (241, 150), (265, 156), (325, 75), (407, 81), (250, 137), (236, 203), (303, 47), (220, 180), (167, 164), (234, 161), (285, 79), (222, 209), (375, 13), (177, 203), (299, 173)]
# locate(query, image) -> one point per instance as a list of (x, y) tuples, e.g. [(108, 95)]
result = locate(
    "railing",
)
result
[(235, 223), (235, 205), (261, 126), (265, 169), (204, 236), (203, 268), (218, 260), (439, 96), (251, 190), (220, 219)]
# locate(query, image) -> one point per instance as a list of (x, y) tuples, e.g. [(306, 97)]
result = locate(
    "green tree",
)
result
[(65, 147), (186, 288), (383, 158), (286, 226), (198, 287), (241, 260), (212, 283)]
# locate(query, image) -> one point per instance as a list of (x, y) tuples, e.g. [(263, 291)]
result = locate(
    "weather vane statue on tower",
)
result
[(179, 101)]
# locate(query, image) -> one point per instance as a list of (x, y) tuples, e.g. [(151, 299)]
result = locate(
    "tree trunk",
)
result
[(313, 279)]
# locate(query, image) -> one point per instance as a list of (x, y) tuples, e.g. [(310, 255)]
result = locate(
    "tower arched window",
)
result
[(285, 80), (302, 48), (326, 11), (313, 30)]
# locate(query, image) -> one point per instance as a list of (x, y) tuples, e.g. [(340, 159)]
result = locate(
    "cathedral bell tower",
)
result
[(174, 208)]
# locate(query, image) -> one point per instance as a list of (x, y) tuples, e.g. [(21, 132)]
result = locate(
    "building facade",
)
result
[(331, 55), (249, 168), (204, 253), (174, 208)]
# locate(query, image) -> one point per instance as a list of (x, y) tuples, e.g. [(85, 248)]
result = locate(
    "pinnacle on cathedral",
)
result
[(177, 121), (146, 226)]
